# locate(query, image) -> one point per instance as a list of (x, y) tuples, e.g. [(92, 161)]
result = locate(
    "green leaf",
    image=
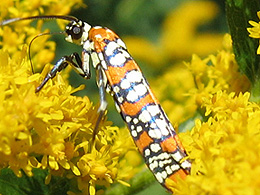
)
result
[(239, 12), (141, 184), (10, 184)]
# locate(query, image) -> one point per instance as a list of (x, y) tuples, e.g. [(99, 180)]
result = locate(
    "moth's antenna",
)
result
[(49, 17), (30, 44)]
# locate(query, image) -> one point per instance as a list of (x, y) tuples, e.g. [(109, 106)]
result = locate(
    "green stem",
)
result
[(255, 91)]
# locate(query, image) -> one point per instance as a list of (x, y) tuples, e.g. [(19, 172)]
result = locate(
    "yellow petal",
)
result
[(64, 163), (74, 169), (47, 179), (92, 190), (57, 115), (20, 80), (53, 163), (124, 183)]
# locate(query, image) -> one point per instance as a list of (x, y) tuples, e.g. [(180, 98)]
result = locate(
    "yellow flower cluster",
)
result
[(57, 127), (14, 9), (224, 149), (203, 77), (255, 31), (42, 51), (215, 73), (52, 129)]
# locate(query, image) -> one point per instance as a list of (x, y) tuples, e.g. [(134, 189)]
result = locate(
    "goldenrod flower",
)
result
[(218, 146), (56, 126), (182, 89), (255, 30), (216, 73), (53, 129), (225, 148)]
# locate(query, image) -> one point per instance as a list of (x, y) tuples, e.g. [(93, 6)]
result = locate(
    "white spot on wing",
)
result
[(125, 84), (177, 156), (168, 170), (163, 156), (121, 43), (164, 162), (175, 167), (117, 107), (120, 99), (134, 76), (155, 133), (186, 164), (116, 89), (147, 152), (125, 53), (164, 174), (128, 119), (153, 109), (139, 129), (135, 120), (153, 165), (110, 48), (159, 177), (140, 89), (117, 60), (98, 36), (145, 116), (155, 147), (132, 96), (134, 133), (162, 126)]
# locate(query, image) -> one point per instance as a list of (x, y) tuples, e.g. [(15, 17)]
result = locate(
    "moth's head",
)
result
[(77, 32)]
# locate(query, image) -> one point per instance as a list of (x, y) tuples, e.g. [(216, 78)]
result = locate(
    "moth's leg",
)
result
[(101, 82)]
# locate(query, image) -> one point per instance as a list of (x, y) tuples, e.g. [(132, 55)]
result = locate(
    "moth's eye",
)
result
[(75, 30)]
